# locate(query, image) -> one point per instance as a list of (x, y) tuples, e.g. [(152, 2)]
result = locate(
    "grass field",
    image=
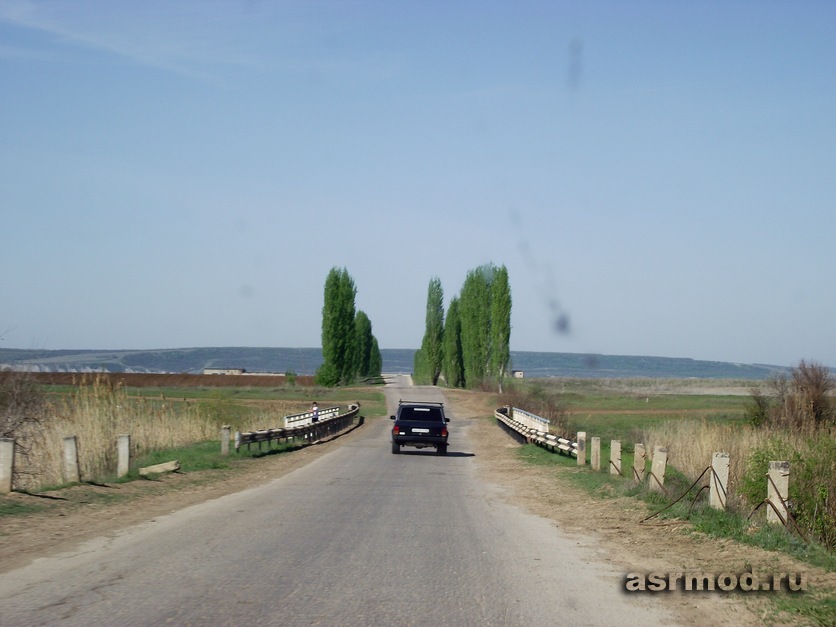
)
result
[(625, 409)]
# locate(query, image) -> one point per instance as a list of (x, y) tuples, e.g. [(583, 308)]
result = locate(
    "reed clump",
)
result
[(794, 420), (691, 444), (812, 457), (97, 412)]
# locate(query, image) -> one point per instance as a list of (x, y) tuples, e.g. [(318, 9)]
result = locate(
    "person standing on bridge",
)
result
[(315, 410)]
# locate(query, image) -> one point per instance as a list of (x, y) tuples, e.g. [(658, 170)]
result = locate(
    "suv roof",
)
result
[(403, 402), (419, 411)]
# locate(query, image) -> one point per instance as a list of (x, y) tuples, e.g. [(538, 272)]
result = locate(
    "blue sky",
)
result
[(662, 174)]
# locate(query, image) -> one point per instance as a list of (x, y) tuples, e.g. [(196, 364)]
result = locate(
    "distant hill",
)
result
[(305, 361)]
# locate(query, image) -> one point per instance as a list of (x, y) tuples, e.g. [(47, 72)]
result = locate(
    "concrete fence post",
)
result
[(639, 463), (595, 454), (123, 457), (7, 464), (581, 448), (777, 491), (225, 433), (718, 482), (658, 467), (72, 473), (615, 457)]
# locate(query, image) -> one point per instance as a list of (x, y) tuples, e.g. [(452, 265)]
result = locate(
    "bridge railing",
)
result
[(305, 418), (331, 421), (534, 429)]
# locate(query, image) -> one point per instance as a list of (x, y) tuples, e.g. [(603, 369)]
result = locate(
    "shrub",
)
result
[(800, 401), (753, 484), (758, 409), (22, 413), (21, 402), (812, 486), (812, 385)]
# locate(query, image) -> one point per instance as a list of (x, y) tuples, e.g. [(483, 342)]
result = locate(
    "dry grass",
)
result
[(811, 453), (99, 412), (691, 445)]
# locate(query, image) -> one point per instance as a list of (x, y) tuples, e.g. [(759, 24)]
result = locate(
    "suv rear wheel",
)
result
[(396, 448), (442, 449)]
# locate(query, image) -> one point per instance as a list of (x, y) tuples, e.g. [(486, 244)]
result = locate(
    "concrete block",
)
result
[(172, 466), (72, 472), (615, 457), (639, 463), (225, 435), (581, 448), (718, 482), (123, 450), (7, 464), (778, 485), (657, 468), (595, 454)]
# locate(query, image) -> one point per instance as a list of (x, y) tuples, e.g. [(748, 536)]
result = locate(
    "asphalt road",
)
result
[(357, 537)]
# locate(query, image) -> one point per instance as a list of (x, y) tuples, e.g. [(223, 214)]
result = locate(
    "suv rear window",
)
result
[(430, 414)]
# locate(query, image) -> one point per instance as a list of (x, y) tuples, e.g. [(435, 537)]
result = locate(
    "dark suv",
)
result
[(421, 425)]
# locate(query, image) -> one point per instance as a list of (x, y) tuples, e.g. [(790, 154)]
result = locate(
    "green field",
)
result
[(623, 409)]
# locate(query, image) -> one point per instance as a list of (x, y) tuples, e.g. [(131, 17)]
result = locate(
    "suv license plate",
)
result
[(420, 431)]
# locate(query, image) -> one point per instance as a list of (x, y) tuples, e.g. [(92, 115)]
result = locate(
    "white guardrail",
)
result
[(330, 422), (306, 418), (534, 429)]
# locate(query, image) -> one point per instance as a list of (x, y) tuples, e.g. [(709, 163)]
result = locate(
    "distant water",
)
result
[(306, 361), (536, 365)]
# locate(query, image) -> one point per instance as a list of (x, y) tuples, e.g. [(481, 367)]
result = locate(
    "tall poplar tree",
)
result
[(348, 293), (432, 346), (366, 345), (375, 359), (476, 324), (485, 311), (500, 344), (420, 370), (338, 330), (453, 365)]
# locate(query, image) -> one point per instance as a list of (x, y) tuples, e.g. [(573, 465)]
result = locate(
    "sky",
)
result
[(659, 178)]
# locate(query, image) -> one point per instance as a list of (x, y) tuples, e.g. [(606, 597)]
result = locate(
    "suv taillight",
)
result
[(444, 431), (396, 429)]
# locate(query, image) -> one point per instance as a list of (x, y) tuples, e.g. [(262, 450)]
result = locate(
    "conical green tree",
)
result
[(338, 330), (485, 312), (500, 344), (453, 365), (432, 346), (375, 359)]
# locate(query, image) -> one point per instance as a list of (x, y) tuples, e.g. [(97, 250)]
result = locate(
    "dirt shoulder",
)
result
[(611, 529), (608, 528)]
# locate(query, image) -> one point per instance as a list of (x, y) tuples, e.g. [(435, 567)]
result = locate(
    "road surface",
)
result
[(357, 537)]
